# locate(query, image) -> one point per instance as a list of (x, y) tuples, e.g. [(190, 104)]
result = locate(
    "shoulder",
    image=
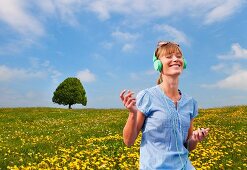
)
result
[(144, 100), (190, 105), (147, 93), (188, 98), (151, 91)]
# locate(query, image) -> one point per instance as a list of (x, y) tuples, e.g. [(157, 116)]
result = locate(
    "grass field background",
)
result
[(53, 138)]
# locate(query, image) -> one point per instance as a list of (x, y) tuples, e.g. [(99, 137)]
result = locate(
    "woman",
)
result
[(164, 115)]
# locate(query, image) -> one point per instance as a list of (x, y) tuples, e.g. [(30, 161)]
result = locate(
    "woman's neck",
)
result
[(170, 87)]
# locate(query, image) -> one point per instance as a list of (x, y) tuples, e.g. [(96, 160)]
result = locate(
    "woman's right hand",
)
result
[(129, 101)]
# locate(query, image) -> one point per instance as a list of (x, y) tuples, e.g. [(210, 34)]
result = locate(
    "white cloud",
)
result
[(144, 8), (18, 16), (237, 52), (126, 39), (14, 13), (237, 81), (46, 68), (64, 10), (86, 76), (236, 75), (101, 8), (210, 11), (218, 67), (20, 84), (26, 20), (37, 70), (16, 98), (227, 68), (23, 27), (47, 6), (143, 75), (125, 36), (107, 45), (128, 47), (173, 33), (15, 46), (9, 74), (223, 11)]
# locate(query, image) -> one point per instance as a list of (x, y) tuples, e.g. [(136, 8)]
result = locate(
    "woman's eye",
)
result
[(169, 56)]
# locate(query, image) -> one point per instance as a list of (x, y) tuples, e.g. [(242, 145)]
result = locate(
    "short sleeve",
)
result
[(143, 102), (195, 109)]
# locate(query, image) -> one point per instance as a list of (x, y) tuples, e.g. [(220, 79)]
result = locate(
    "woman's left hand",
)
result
[(199, 134)]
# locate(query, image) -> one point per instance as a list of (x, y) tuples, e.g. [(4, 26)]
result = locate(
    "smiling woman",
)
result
[(164, 115), (166, 55)]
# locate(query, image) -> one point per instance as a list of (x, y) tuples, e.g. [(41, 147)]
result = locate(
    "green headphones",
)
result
[(158, 64)]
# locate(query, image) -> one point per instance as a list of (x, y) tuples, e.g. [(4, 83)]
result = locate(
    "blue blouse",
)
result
[(165, 129)]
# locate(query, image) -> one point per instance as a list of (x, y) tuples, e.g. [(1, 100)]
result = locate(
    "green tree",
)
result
[(70, 92)]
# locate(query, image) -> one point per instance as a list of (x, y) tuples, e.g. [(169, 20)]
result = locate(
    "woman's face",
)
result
[(172, 63)]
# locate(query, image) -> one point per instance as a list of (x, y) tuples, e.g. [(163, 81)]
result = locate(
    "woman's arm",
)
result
[(132, 127), (195, 136), (135, 120)]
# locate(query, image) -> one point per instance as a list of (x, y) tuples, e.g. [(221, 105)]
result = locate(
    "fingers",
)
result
[(127, 99), (131, 102), (200, 134), (128, 96), (205, 131), (195, 135), (122, 95)]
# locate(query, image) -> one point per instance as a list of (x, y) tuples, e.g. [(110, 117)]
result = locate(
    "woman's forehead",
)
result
[(171, 51)]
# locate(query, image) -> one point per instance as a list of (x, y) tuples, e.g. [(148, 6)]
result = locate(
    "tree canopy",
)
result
[(70, 92)]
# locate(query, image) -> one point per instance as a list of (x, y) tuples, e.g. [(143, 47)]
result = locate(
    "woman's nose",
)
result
[(174, 57)]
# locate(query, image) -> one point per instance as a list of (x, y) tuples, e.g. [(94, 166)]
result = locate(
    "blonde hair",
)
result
[(164, 49), (159, 80)]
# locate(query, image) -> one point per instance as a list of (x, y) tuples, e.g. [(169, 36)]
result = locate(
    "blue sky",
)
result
[(108, 45)]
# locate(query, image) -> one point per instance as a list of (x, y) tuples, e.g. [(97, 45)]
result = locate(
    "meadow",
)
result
[(54, 138)]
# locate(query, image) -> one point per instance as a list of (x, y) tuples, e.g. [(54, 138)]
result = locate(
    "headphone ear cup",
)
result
[(185, 63), (158, 65)]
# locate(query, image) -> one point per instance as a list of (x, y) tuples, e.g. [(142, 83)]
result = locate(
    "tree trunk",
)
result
[(70, 106)]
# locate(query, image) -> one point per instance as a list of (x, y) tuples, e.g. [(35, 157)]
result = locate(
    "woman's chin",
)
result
[(174, 72)]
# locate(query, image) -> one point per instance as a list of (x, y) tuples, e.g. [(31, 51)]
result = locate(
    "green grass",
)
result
[(44, 130), (91, 138)]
